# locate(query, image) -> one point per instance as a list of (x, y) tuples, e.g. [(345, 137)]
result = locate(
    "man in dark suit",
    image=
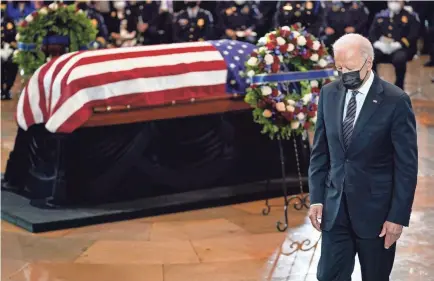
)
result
[(363, 169)]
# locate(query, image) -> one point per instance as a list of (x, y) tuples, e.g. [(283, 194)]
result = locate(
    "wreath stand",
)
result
[(299, 201)]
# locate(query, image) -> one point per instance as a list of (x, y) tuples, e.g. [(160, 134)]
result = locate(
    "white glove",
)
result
[(6, 52), (383, 47), (395, 46)]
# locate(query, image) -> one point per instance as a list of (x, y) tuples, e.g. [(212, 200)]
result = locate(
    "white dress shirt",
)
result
[(360, 99)]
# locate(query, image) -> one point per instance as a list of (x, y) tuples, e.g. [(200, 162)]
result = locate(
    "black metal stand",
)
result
[(298, 201)]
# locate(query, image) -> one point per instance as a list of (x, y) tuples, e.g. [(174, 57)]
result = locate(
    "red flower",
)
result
[(307, 55), (288, 115), (295, 26), (306, 125), (321, 51), (272, 37), (254, 54), (309, 43), (304, 110), (314, 108), (24, 23), (311, 113), (275, 66), (283, 48), (315, 90), (284, 33), (261, 66), (253, 86), (295, 53), (270, 45), (275, 92), (35, 14)]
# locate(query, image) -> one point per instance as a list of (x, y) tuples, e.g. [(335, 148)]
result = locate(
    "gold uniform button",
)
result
[(190, 36)]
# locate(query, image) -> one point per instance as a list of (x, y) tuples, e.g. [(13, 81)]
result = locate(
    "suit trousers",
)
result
[(340, 245)]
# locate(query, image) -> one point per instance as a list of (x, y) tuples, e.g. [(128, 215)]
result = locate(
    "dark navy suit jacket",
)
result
[(378, 171)]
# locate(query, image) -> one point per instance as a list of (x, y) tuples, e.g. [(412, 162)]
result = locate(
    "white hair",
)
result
[(350, 40)]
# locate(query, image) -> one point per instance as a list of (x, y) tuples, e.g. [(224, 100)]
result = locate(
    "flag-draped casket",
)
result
[(63, 93)]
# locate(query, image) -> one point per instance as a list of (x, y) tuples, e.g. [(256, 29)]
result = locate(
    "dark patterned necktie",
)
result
[(348, 124)]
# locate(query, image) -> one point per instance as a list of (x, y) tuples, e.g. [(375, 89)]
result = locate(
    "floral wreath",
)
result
[(280, 112), (62, 21)]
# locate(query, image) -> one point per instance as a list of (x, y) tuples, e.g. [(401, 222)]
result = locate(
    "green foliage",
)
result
[(62, 20)]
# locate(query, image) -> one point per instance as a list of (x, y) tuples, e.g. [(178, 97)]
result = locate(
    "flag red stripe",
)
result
[(42, 98), (148, 72), (82, 115), (28, 113)]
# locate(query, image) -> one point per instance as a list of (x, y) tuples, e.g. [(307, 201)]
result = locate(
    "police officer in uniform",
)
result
[(97, 20), (238, 20), (119, 25), (308, 13), (141, 14), (394, 33), (8, 45), (193, 24), (161, 27), (341, 17)]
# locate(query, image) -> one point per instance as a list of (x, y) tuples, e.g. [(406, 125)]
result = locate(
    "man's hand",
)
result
[(392, 231), (142, 27), (350, 29), (315, 214), (329, 31)]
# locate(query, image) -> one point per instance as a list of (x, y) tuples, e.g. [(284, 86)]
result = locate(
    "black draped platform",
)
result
[(124, 163)]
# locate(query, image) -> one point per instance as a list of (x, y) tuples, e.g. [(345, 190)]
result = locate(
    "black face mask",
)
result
[(82, 6), (191, 4), (351, 80)]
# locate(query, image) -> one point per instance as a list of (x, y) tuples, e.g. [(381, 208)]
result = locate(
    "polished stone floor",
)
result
[(231, 243)]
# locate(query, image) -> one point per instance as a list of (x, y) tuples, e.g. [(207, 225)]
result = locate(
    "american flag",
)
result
[(63, 92)]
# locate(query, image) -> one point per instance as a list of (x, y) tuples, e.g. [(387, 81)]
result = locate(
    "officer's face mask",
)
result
[(240, 3), (119, 5), (82, 6), (394, 7), (351, 80)]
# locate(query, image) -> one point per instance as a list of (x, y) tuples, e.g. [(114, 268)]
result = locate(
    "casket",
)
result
[(121, 123)]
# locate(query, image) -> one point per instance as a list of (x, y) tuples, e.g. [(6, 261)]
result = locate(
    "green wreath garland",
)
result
[(283, 114), (56, 19)]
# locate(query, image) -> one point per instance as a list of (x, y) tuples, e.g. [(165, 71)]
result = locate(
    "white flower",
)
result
[(322, 63), (290, 108), (262, 49), (314, 84), (313, 119), (280, 106), (53, 6), (295, 34), (295, 125), (280, 58), (269, 59), (286, 28), (43, 11), (262, 41), (306, 99), (252, 61), (80, 11), (316, 100), (291, 102), (266, 90), (301, 41), (17, 37), (16, 53), (280, 41), (314, 57), (301, 116), (316, 45), (274, 32), (29, 18), (48, 59), (251, 73), (291, 47)]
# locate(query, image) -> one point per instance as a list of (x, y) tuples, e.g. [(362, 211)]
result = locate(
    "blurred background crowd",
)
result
[(399, 30)]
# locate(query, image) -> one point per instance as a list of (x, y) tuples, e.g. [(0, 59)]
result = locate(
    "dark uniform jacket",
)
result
[(308, 13), (402, 28), (187, 28), (238, 17), (340, 15), (142, 12)]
